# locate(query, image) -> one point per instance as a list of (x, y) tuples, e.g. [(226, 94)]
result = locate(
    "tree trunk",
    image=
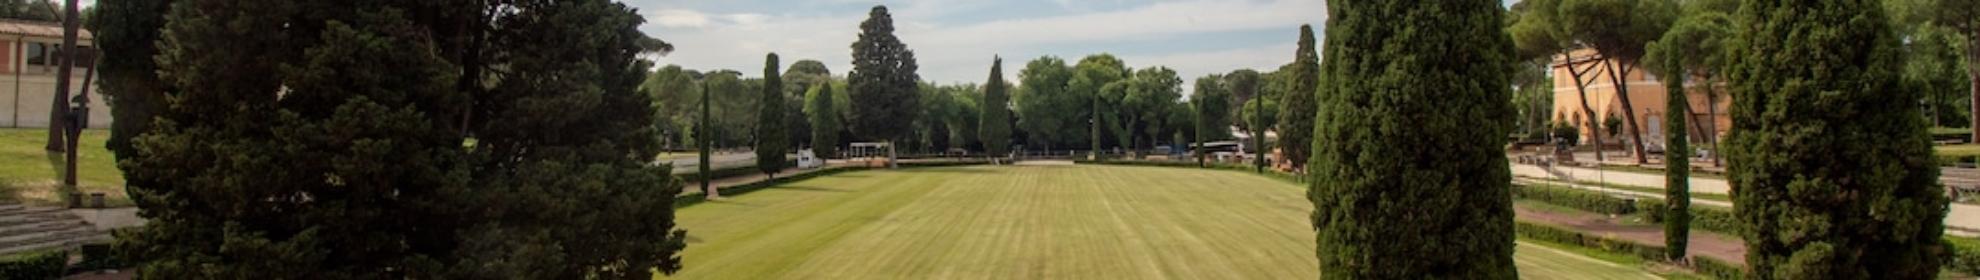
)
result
[(1581, 87), (1618, 78), (1973, 83)]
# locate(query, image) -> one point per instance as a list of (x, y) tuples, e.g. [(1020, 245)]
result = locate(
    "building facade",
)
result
[(1647, 96), (32, 55)]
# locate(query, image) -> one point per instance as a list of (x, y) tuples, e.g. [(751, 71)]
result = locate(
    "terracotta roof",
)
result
[(52, 29)]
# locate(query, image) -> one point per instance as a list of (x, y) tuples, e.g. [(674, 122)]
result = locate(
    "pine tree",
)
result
[(770, 128), (1213, 109), (995, 124), (1830, 163), (1409, 179), (1299, 105), (885, 95), (824, 121)]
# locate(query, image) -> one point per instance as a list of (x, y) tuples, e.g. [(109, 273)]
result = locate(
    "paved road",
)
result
[(1963, 217), (716, 161)]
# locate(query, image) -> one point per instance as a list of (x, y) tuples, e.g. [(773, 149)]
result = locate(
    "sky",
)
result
[(954, 40)]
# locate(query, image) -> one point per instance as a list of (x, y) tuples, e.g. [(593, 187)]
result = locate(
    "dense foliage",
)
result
[(1410, 179), (1299, 105), (883, 80), (1830, 162), (335, 143), (995, 126), (771, 143)]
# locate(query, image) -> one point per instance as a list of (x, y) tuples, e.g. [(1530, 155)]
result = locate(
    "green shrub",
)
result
[(99, 257), (1717, 268), (34, 265), (1578, 199), (1569, 237), (1713, 219), (1963, 255)]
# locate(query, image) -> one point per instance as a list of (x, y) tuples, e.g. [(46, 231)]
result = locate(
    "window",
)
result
[(37, 54), (47, 57)]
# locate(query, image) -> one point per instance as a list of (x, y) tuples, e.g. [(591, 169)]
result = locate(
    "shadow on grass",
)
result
[(812, 189)]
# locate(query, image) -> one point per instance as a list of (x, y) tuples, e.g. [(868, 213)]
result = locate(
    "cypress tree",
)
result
[(824, 121), (1299, 106), (1213, 109), (1830, 163), (771, 140), (885, 93), (1677, 159), (995, 124), (313, 140), (1409, 176), (127, 32)]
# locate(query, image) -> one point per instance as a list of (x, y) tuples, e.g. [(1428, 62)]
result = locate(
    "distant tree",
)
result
[(1697, 46), (883, 81), (677, 100), (995, 126), (804, 74), (1299, 105), (824, 121), (1047, 111), (1091, 79), (1261, 113), (1213, 109), (1145, 104), (1619, 30), (1409, 176), (1538, 33), (1830, 163), (770, 129), (1933, 67), (32, 10), (1961, 17)]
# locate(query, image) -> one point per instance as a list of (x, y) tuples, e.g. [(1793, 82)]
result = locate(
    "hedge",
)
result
[(1563, 236), (34, 265), (720, 173), (1275, 174), (99, 257), (1713, 219), (1963, 255), (685, 200), (1717, 268), (1578, 199)]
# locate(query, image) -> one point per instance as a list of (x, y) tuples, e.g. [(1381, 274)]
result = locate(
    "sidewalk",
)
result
[(1962, 219)]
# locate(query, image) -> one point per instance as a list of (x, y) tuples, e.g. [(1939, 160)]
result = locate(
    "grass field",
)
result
[(28, 173), (1063, 222)]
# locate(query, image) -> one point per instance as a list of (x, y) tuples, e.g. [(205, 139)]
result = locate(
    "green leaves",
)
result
[(883, 80)]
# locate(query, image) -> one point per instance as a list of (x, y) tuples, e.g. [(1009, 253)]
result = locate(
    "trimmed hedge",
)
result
[(1717, 268), (1713, 219), (723, 172), (1578, 199), (35, 265), (1275, 174), (1564, 236), (685, 200)]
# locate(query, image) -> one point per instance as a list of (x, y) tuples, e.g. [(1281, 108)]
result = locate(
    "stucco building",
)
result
[(1646, 94), (27, 74)]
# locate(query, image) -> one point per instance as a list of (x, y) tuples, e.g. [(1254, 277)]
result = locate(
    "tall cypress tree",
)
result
[(771, 140), (1299, 105), (127, 31), (995, 124), (824, 120), (1409, 179), (1212, 104), (885, 96), (1830, 163), (1677, 154)]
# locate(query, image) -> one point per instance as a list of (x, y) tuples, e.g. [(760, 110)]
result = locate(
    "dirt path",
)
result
[(1718, 246)]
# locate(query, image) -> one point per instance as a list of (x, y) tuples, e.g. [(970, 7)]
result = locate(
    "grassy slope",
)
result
[(1075, 222), (28, 170)]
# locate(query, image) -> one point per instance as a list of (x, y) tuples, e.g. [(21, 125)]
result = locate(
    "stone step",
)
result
[(53, 241), (29, 210), (28, 237), (50, 225)]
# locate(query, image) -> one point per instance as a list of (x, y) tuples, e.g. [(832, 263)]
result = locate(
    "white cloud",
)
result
[(678, 18)]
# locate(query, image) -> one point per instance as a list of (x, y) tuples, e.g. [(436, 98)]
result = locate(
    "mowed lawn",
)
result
[(27, 171), (1031, 222)]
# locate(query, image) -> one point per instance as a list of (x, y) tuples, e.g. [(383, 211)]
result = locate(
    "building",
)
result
[(1646, 94), (27, 80)]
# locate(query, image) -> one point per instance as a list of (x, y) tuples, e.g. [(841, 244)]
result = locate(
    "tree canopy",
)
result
[(885, 94)]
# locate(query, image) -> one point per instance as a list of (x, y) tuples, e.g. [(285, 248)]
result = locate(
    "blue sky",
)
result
[(954, 40)]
